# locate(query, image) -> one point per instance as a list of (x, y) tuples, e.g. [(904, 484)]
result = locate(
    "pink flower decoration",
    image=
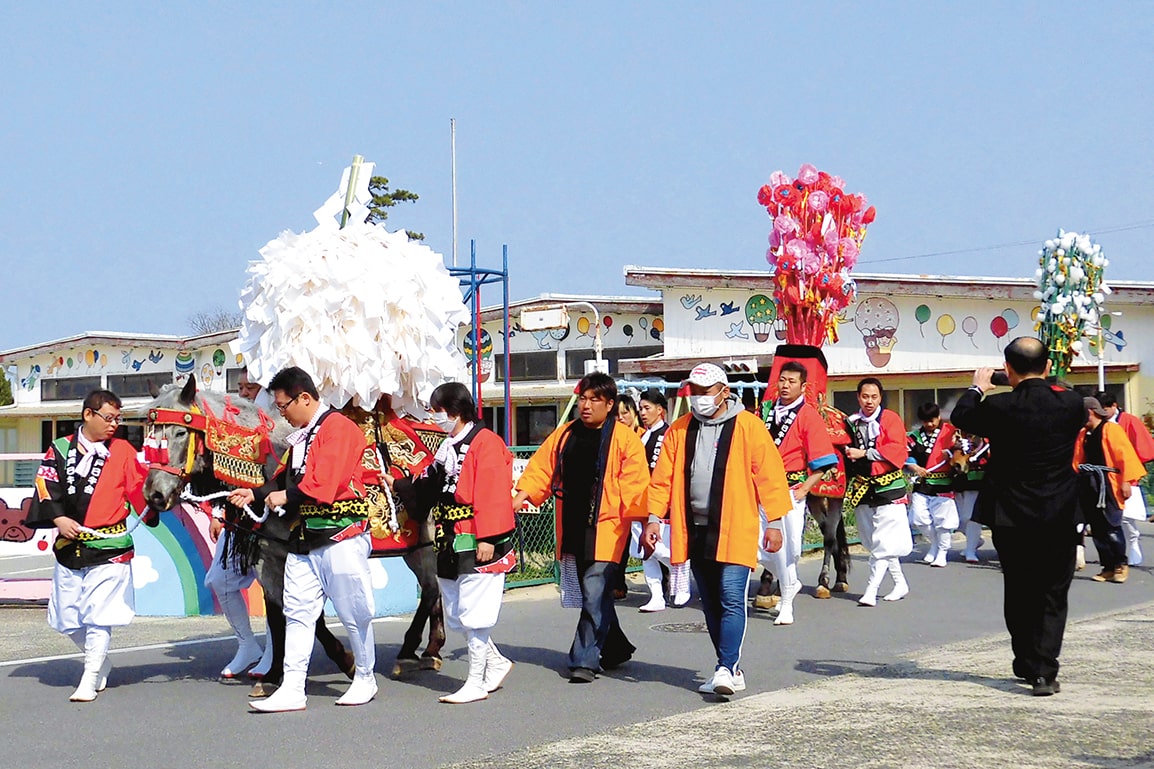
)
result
[(777, 178), (807, 174), (811, 262), (838, 182), (774, 238), (849, 252), (785, 224), (818, 201), (771, 259)]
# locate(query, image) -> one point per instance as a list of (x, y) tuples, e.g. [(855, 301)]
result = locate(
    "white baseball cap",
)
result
[(707, 375)]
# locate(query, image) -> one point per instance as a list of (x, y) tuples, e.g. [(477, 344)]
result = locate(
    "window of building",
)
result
[(526, 366), (137, 385), (575, 359), (232, 380), (534, 423), (68, 389), (494, 418)]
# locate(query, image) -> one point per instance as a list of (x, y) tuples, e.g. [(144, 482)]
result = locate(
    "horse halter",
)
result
[(156, 445)]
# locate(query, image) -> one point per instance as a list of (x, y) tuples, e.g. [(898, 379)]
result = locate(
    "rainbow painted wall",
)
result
[(170, 564)]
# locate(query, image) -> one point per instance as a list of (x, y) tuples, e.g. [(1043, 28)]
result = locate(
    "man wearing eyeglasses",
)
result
[(323, 487), (86, 486)]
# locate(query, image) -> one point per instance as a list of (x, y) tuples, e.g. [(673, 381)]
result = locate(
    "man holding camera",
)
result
[(1029, 500)]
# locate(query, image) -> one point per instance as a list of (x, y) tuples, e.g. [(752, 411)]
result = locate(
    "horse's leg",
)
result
[(334, 649), (841, 553), (271, 571), (819, 508), (423, 565)]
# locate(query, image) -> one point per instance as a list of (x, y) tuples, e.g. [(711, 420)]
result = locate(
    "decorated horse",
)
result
[(202, 445)]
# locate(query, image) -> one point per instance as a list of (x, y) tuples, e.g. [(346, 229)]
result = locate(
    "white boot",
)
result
[(497, 667), (973, 541), (927, 533), (877, 574), (248, 651), (361, 691), (944, 538), (97, 639), (474, 686), (657, 599), (261, 669), (1080, 558), (289, 697), (901, 587), (785, 607)]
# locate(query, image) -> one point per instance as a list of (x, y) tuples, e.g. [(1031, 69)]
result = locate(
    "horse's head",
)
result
[(176, 444)]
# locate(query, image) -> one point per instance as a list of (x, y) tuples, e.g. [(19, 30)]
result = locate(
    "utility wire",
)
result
[(999, 246)]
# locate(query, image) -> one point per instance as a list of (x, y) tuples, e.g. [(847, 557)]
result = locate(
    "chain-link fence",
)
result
[(537, 538)]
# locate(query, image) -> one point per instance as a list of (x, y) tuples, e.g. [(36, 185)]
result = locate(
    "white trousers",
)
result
[(884, 530), (783, 563), (93, 596), (340, 572), (472, 601), (678, 573), (930, 511), (1132, 512)]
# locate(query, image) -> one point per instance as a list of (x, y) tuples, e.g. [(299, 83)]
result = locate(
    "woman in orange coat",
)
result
[(596, 468)]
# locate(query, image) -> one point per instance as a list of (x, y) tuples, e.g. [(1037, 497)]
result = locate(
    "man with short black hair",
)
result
[(932, 508), (1029, 500), (807, 453), (324, 487), (86, 486), (1134, 510), (595, 466)]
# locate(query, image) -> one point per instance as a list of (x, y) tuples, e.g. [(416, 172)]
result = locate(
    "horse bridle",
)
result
[(156, 453)]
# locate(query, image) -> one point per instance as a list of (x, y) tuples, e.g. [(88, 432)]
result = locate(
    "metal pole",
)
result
[(508, 392), (453, 154), (476, 323), (1101, 360)]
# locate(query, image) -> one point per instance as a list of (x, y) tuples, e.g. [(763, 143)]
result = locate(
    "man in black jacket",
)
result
[(1029, 500)]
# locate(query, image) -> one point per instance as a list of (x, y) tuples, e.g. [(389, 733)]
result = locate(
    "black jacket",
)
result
[(1030, 479)]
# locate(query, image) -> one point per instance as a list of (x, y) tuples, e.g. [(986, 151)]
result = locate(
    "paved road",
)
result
[(923, 682)]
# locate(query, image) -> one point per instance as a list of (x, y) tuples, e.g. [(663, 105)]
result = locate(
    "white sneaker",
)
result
[(707, 687), (656, 603), (724, 682), (283, 700), (360, 691)]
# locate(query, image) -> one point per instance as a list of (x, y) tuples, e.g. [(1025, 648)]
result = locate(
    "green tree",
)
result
[(384, 199), (5, 389)]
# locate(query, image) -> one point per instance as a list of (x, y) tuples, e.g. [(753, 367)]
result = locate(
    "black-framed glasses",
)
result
[(112, 419), (282, 406)]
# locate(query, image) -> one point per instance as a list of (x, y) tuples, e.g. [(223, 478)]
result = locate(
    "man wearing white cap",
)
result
[(717, 465)]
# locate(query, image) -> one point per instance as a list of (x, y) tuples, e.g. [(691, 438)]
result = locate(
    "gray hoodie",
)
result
[(704, 455)]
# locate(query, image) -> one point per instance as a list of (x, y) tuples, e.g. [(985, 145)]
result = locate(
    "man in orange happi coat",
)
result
[(596, 467), (717, 464)]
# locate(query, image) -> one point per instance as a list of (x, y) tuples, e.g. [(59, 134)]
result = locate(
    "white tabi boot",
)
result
[(261, 669), (474, 686), (877, 574), (785, 607), (657, 599), (927, 533), (289, 697), (901, 587), (497, 667), (973, 541), (96, 667), (944, 542), (361, 691), (248, 651), (1080, 558)]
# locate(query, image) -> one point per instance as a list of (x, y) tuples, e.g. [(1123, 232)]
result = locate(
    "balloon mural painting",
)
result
[(969, 326), (922, 315), (946, 326)]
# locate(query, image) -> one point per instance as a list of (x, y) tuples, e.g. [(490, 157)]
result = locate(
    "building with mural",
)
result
[(922, 335)]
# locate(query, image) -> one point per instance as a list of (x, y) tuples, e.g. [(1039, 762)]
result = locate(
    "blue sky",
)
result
[(146, 155)]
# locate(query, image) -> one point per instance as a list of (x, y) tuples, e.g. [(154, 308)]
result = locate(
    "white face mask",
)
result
[(703, 406), (442, 420)]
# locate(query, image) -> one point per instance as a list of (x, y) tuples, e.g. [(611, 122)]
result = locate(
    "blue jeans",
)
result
[(599, 639), (724, 589)]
